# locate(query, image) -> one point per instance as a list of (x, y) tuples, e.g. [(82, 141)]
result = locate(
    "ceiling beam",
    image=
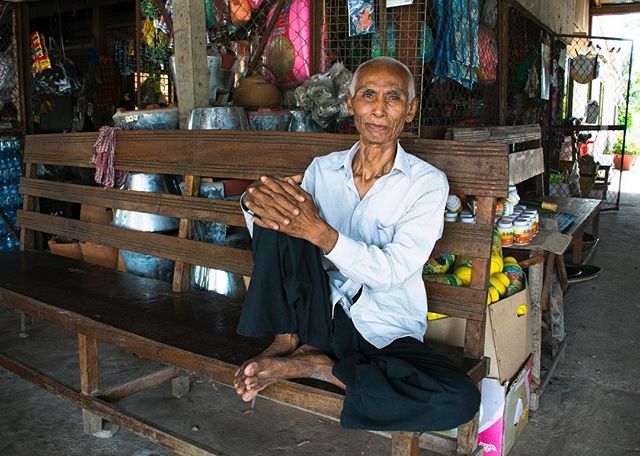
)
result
[(611, 9)]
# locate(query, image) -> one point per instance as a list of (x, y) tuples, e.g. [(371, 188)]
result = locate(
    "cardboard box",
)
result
[(507, 336), (505, 412)]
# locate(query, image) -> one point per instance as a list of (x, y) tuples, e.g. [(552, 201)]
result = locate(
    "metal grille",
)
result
[(597, 75), (10, 106)]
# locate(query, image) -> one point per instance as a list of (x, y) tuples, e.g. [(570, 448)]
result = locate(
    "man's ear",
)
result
[(349, 105), (413, 108)]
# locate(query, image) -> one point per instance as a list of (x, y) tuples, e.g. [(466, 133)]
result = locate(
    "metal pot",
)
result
[(148, 266), (222, 282), (269, 120), (150, 119), (218, 118), (142, 221), (301, 121)]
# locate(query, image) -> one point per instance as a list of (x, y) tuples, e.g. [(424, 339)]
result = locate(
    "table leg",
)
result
[(577, 246), (536, 273), (557, 316)]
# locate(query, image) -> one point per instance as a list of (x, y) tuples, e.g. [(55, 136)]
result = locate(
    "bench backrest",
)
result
[(479, 169)]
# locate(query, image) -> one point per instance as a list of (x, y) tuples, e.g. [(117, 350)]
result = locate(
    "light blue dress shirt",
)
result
[(383, 242)]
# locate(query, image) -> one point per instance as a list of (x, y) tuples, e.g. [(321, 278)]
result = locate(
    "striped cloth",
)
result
[(104, 157)]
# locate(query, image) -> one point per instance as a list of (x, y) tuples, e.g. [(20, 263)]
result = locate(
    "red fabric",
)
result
[(104, 156)]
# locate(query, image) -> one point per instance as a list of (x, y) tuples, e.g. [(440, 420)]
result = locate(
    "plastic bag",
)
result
[(288, 48)]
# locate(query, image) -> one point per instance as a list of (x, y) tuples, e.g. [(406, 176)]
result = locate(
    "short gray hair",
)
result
[(385, 61)]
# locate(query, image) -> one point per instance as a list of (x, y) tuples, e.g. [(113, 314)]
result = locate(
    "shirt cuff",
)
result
[(345, 253)]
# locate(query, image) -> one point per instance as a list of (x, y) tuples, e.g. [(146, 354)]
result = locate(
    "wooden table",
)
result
[(548, 281)]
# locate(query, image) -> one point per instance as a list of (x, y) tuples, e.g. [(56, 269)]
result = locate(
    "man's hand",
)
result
[(274, 200), (281, 204)]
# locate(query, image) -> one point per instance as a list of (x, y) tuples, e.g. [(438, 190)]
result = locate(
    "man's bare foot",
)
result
[(282, 345), (306, 362)]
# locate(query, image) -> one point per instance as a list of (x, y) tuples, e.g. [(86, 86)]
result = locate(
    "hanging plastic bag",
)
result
[(289, 46), (488, 50), (489, 16), (584, 68)]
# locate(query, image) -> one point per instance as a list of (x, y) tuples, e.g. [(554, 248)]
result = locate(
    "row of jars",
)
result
[(519, 228)]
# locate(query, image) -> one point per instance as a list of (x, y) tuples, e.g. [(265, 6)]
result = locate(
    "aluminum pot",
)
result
[(301, 121), (269, 120), (218, 118), (148, 119), (222, 282), (148, 266), (142, 221)]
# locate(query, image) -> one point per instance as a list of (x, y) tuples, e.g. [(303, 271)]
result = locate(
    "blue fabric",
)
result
[(456, 55)]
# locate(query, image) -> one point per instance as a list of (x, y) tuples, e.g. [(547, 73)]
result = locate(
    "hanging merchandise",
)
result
[(490, 13), (39, 55), (288, 48), (584, 68), (240, 11), (457, 41), (532, 85), (592, 112), (488, 49), (361, 17), (427, 49), (376, 40)]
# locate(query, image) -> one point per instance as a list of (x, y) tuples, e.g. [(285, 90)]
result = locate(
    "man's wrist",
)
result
[(327, 239)]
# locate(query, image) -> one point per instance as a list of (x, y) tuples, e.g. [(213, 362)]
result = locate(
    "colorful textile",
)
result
[(104, 157)]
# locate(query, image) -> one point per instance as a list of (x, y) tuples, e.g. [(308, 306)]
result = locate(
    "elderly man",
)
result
[(337, 276)]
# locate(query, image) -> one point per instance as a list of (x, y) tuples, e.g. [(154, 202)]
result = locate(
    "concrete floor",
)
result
[(591, 406)]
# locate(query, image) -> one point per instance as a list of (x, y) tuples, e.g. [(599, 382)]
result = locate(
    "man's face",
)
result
[(380, 106)]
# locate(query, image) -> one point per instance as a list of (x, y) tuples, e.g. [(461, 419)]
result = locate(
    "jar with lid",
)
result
[(535, 221), (454, 204), (513, 196), (450, 216), (467, 218), (505, 228), (521, 231)]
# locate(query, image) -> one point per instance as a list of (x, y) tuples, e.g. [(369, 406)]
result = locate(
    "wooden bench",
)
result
[(194, 330)]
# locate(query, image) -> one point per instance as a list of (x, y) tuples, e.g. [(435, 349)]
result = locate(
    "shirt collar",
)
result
[(401, 162)]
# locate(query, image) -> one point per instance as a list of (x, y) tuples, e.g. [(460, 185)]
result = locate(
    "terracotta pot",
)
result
[(627, 163), (101, 255), (66, 249), (256, 92)]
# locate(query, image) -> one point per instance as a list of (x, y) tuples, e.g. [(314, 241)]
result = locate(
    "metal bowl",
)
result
[(218, 118), (269, 120), (301, 121), (148, 266), (142, 221), (152, 119)]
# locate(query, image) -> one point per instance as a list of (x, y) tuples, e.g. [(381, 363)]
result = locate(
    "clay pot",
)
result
[(623, 164), (101, 255), (66, 249), (256, 92)]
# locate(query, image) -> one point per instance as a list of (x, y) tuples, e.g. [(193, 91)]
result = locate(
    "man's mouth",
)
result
[(376, 127)]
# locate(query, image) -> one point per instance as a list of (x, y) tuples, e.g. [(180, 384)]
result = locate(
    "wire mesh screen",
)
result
[(597, 72), (9, 75)]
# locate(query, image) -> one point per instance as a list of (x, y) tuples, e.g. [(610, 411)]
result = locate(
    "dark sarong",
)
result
[(401, 387)]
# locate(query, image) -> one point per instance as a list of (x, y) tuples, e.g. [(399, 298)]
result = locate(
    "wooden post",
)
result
[(405, 444), (192, 77), (536, 273), (503, 59), (181, 270), (89, 379)]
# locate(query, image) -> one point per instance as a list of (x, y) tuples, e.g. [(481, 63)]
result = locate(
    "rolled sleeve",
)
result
[(345, 252)]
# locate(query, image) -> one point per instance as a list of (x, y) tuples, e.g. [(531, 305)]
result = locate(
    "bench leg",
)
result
[(468, 436), (89, 379), (25, 325), (180, 386), (405, 444)]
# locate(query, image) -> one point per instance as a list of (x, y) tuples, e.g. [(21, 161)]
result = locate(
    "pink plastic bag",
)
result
[(288, 49)]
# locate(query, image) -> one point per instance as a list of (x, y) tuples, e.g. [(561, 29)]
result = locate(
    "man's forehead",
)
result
[(371, 76)]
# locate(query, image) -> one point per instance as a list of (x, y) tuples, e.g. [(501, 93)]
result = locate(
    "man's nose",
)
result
[(380, 106)]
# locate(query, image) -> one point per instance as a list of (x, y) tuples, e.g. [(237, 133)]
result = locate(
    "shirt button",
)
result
[(358, 212)]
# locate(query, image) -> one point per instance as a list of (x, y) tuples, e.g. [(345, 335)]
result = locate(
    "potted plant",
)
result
[(631, 151)]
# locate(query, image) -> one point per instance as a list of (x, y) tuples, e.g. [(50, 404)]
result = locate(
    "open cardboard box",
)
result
[(507, 336), (505, 412)]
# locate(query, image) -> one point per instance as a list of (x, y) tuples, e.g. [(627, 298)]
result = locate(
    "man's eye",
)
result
[(367, 95)]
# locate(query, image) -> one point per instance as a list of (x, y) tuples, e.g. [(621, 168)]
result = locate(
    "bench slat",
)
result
[(177, 206), (161, 245), (474, 168), (463, 302)]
